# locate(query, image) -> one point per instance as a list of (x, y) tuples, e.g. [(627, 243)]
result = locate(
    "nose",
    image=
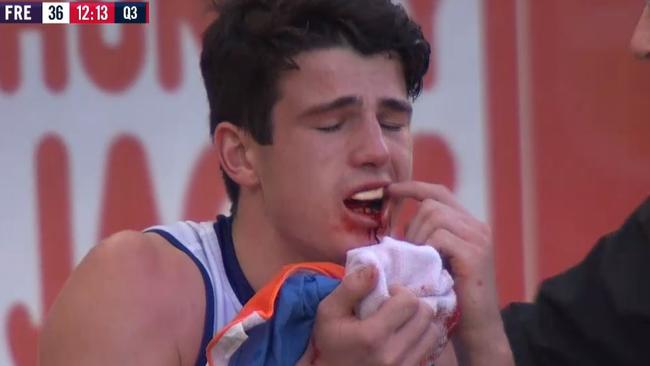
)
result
[(640, 43), (370, 149)]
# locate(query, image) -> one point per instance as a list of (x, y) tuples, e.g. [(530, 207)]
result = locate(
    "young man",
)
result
[(310, 106), (598, 312)]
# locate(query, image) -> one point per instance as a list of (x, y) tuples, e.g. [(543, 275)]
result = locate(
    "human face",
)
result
[(640, 43), (341, 126)]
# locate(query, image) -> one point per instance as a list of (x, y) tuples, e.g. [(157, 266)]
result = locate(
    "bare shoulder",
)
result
[(134, 299), (145, 257)]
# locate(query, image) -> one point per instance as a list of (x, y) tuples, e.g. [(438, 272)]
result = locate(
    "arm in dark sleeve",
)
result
[(596, 313)]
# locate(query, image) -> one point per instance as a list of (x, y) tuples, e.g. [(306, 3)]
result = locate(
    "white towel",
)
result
[(417, 267)]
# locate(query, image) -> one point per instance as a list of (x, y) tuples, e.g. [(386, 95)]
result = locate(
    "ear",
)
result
[(235, 155)]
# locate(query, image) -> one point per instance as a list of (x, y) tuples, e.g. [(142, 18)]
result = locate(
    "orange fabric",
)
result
[(264, 300)]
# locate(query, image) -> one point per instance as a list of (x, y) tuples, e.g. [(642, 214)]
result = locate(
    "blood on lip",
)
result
[(371, 209)]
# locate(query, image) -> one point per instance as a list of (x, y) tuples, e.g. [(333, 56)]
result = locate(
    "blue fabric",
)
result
[(243, 290), (283, 339)]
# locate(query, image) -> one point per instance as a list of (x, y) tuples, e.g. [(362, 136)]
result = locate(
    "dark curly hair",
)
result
[(252, 42)]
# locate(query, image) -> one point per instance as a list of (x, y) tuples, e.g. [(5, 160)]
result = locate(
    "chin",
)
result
[(357, 240), (337, 246)]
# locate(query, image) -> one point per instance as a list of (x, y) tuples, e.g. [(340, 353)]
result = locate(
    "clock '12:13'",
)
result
[(93, 13)]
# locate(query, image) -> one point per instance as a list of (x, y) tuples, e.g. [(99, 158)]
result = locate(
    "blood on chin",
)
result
[(348, 239), (364, 236)]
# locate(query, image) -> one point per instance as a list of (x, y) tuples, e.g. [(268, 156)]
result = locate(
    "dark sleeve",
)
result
[(596, 313)]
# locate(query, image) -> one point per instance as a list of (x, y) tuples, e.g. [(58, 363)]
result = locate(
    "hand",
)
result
[(441, 222), (401, 332)]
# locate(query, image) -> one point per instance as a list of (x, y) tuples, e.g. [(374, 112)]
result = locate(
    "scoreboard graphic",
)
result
[(75, 12)]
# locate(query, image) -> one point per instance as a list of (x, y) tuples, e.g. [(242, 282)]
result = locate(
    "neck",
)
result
[(260, 251)]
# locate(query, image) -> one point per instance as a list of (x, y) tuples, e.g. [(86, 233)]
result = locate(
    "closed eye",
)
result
[(391, 127), (331, 128)]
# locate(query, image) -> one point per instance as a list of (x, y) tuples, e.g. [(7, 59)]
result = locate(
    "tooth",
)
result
[(369, 195)]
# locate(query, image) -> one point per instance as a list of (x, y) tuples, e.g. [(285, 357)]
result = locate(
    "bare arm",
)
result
[(134, 300)]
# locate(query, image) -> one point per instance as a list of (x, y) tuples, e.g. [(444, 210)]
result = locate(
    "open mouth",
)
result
[(369, 203)]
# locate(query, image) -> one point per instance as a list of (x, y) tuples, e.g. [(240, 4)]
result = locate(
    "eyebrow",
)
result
[(397, 105), (348, 101), (336, 104)]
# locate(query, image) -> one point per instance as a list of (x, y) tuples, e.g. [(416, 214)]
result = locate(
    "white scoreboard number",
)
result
[(56, 13)]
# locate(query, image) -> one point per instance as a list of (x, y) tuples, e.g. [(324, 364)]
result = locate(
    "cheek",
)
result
[(303, 178), (402, 158)]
